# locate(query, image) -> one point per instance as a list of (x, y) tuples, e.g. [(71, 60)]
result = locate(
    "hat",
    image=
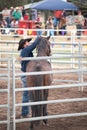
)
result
[(22, 42), (16, 8), (11, 7)]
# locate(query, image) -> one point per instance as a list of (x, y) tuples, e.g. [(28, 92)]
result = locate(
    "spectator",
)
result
[(26, 16), (57, 16), (50, 27), (23, 11), (14, 23), (16, 14), (11, 12), (79, 23), (62, 25), (26, 51), (3, 24), (38, 26), (6, 16)]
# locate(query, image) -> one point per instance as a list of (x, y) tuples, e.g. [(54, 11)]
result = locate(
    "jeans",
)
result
[(25, 98), (39, 33), (8, 20), (79, 26)]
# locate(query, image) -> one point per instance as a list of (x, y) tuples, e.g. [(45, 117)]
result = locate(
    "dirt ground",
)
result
[(68, 123)]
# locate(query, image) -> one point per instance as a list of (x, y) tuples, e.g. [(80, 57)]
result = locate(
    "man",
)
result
[(80, 20), (26, 51), (16, 14), (6, 16)]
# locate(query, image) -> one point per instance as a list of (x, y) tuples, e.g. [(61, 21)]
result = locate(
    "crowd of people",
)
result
[(10, 19)]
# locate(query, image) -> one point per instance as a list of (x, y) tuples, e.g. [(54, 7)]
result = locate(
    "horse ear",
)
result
[(48, 37)]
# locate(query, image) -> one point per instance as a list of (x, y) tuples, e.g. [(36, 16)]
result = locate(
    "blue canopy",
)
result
[(54, 5)]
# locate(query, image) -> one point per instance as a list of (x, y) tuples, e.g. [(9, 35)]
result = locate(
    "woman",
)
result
[(26, 51)]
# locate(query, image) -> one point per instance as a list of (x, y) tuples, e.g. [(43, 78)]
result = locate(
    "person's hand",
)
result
[(19, 59)]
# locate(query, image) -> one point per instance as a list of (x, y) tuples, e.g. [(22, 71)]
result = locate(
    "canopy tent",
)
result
[(54, 5)]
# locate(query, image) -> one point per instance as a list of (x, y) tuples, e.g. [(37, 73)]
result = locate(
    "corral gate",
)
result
[(5, 76), (15, 104), (15, 76)]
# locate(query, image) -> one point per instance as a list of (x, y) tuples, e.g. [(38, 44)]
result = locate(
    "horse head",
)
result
[(43, 47)]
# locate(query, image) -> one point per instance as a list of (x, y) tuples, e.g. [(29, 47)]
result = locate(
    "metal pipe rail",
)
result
[(7, 90), (51, 87), (51, 117), (51, 102), (3, 106), (52, 57), (51, 72)]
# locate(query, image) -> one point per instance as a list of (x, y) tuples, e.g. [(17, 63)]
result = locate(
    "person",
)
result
[(23, 11), (16, 14), (11, 12), (6, 16), (79, 23), (26, 51), (50, 27), (57, 17), (38, 25), (14, 23), (62, 25), (26, 16)]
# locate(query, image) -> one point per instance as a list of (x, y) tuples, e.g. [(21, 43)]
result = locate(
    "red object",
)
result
[(27, 24), (58, 13), (26, 17), (20, 32), (23, 24), (32, 25), (85, 32)]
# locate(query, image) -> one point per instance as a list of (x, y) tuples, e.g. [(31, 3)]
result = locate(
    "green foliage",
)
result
[(82, 4), (14, 3)]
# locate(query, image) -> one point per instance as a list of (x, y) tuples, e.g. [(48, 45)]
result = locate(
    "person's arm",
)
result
[(33, 45)]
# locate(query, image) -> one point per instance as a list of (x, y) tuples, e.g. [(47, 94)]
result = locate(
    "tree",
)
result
[(14, 3)]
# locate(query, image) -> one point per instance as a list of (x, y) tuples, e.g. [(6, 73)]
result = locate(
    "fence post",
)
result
[(72, 46), (8, 115), (80, 74), (13, 92)]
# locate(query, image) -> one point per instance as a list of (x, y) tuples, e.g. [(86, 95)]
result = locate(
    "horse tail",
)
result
[(38, 94)]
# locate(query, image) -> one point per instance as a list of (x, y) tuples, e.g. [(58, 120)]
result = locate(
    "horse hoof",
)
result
[(45, 124), (31, 129)]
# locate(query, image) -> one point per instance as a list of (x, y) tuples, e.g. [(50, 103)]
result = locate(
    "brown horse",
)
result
[(43, 49)]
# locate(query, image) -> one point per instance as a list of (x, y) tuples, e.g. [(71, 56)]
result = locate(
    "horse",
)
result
[(43, 49)]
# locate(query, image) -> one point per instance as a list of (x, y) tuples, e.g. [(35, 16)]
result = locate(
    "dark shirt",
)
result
[(27, 52), (23, 12)]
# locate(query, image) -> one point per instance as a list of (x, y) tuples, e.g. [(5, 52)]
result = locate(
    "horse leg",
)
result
[(45, 105), (33, 115), (45, 113), (32, 97)]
